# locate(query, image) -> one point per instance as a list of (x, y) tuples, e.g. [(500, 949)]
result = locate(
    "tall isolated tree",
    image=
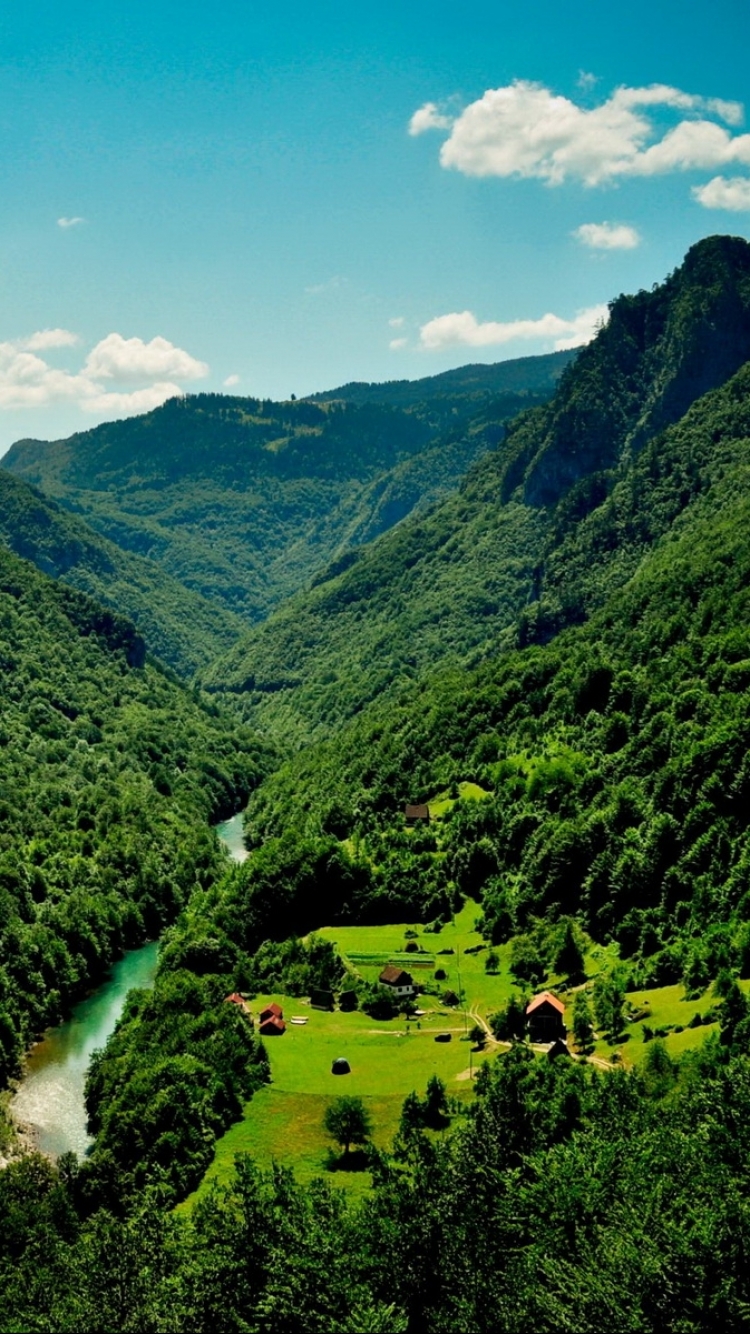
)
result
[(609, 998), (348, 1121), (569, 956), (582, 1026)]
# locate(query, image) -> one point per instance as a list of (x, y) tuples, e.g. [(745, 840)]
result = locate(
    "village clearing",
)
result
[(283, 1122)]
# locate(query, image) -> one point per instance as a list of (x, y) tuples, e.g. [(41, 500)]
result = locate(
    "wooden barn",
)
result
[(397, 980), (321, 998), (272, 1027), (417, 813), (272, 1011), (545, 1018)]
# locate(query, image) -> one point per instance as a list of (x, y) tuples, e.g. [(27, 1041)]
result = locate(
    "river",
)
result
[(49, 1099)]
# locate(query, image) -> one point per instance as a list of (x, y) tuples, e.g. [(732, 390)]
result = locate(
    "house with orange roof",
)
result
[(545, 1018)]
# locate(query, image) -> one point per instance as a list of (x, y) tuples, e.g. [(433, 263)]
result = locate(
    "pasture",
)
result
[(389, 1059)]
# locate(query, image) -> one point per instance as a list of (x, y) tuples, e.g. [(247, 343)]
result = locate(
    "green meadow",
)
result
[(389, 1059)]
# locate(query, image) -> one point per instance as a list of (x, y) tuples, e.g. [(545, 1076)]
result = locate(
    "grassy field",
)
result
[(443, 802), (368, 948), (284, 1122), (388, 1059)]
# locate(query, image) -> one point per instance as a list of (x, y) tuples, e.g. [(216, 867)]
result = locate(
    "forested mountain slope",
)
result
[(461, 391), (245, 501), (659, 352), (451, 584), (615, 758), (446, 585), (601, 779), (179, 626), (110, 773)]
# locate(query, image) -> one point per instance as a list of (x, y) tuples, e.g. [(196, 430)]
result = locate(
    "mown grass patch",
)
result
[(665, 1008), (444, 802), (392, 1057), (369, 948), (287, 1128)]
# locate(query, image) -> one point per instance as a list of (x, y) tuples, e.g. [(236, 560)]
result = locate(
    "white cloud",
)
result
[(525, 130), (464, 330), (397, 343), (586, 80), (46, 338), (428, 117), (397, 322), (29, 381), (118, 358), (70, 222), (732, 193), (607, 236), (139, 400), (231, 380), (332, 285)]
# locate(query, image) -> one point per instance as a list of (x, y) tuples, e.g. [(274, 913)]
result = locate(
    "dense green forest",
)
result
[(568, 634), (460, 392), (180, 627), (243, 501), (613, 759), (110, 773), (561, 1200)]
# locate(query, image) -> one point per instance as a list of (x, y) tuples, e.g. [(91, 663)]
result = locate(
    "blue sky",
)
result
[(195, 197)]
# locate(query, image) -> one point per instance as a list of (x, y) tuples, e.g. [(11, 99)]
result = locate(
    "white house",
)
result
[(397, 980)]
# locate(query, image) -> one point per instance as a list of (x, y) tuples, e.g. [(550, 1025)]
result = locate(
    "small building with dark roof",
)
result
[(272, 1027), (397, 980), (321, 998), (545, 1018), (416, 813)]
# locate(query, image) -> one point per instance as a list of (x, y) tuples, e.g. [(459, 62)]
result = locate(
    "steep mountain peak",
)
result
[(658, 353)]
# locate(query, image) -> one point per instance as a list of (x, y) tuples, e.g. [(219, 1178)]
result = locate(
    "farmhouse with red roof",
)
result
[(271, 1021), (544, 1016)]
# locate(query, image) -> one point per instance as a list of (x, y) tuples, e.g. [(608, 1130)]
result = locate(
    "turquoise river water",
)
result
[(49, 1099)]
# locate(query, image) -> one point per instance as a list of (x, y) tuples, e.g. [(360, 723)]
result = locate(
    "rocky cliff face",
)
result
[(660, 351)]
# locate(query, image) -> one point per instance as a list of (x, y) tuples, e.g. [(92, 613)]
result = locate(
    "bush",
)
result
[(378, 1002), (509, 1025)]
